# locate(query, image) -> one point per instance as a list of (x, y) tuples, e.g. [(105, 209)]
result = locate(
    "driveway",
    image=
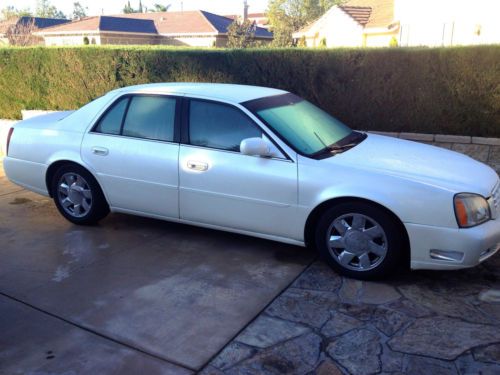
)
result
[(129, 295), (138, 295)]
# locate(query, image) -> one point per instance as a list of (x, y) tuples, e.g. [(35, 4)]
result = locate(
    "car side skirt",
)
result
[(210, 226)]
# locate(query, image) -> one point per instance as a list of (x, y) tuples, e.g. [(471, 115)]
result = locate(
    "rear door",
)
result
[(133, 148)]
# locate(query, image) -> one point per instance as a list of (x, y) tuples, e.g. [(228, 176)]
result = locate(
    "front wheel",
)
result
[(78, 196), (360, 240)]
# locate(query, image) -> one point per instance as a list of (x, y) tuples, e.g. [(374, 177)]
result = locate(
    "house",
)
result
[(381, 23), (101, 30), (190, 28), (21, 28), (357, 23)]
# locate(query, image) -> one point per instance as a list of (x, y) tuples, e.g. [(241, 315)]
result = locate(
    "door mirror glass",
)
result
[(256, 147)]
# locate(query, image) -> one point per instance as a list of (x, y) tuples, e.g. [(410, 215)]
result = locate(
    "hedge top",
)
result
[(424, 90)]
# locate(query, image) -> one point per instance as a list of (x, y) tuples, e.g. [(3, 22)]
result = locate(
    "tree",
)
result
[(21, 34), (45, 9), (12, 12), (288, 16), (128, 8), (160, 8), (241, 34), (79, 11)]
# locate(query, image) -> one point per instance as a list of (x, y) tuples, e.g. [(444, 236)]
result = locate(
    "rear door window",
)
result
[(150, 117)]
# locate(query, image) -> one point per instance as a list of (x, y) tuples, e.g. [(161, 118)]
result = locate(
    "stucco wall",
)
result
[(341, 31), (71, 40)]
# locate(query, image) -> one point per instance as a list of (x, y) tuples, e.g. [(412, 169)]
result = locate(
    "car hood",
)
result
[(421, 163)]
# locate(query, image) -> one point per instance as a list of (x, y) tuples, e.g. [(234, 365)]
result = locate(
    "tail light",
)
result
[(11, 131)]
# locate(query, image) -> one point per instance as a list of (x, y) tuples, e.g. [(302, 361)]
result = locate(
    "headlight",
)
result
[(471, 210)]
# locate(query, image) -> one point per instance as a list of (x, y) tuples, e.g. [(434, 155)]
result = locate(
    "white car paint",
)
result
[(265, 197)]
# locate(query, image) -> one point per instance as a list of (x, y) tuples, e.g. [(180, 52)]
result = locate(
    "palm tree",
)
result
[(161, 8)]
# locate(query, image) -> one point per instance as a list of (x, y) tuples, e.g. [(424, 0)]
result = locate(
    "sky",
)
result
[(115, 6)]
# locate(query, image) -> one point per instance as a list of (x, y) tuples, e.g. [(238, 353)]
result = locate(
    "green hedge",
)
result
[(443, 90)]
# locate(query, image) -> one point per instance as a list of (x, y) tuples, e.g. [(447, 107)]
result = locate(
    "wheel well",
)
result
[(53, 169), (315, 215)]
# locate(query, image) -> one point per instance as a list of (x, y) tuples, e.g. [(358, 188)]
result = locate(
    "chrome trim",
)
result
[(447, 255), (489, 252)]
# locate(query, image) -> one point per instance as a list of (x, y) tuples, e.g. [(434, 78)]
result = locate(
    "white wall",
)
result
[(339, 30), (448, 22), (70, 40)]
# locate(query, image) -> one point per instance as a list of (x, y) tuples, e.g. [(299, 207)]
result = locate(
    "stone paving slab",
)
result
[(426, 322)]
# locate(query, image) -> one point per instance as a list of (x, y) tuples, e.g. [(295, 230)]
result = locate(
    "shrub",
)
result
[(442, 90)]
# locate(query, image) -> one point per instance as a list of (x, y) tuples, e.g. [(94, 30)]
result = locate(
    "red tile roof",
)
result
[(382, 11), (165, 23), (360, 14), (177, 22)]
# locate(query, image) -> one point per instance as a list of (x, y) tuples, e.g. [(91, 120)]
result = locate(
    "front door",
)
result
[(221, 186)]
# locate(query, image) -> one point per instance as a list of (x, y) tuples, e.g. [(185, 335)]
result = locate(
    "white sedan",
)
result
[(265, 163)]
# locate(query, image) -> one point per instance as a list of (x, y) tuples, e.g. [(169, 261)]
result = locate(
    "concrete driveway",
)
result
[(130, 295)]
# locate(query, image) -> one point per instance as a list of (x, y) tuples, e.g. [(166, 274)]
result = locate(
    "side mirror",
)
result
[(256, 147)]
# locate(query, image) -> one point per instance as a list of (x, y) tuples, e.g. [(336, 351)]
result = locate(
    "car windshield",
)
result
[(305, 127)]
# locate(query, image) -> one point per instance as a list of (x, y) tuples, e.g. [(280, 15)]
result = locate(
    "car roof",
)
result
[(221, 91)]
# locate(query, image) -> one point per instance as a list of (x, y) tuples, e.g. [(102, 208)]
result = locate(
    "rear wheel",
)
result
[(78, 196), (360, 240)]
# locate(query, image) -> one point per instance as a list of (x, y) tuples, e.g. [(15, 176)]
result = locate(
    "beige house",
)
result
[(357, 23), (381, 23), (190, 28)]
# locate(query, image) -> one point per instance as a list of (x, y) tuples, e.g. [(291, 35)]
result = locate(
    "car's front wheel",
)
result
[(360, 240), (78, 196)]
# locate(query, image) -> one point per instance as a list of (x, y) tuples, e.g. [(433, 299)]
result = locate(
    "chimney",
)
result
[(245, 10)]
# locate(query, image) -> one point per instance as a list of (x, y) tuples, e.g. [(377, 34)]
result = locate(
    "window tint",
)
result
[(219, 126), (112, 120), (150, 117)]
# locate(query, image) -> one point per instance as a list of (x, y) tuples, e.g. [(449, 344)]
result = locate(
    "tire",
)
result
[(78, 196), (360, 240)]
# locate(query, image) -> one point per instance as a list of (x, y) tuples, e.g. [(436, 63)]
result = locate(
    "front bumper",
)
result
[(476, 244)]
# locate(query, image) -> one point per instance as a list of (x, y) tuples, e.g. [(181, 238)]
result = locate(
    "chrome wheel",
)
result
[(357, 242), (74, 194)]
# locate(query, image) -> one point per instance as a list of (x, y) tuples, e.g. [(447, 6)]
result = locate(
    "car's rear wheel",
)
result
[(360, 240), (78, 196)]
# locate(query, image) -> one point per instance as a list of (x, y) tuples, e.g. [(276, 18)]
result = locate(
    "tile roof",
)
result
[(105, 23), (165, 23), (382, 14), (191, 22), (360, 14)]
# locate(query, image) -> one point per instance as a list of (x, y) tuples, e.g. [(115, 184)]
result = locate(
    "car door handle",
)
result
[(100, 151), (197, 165)]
